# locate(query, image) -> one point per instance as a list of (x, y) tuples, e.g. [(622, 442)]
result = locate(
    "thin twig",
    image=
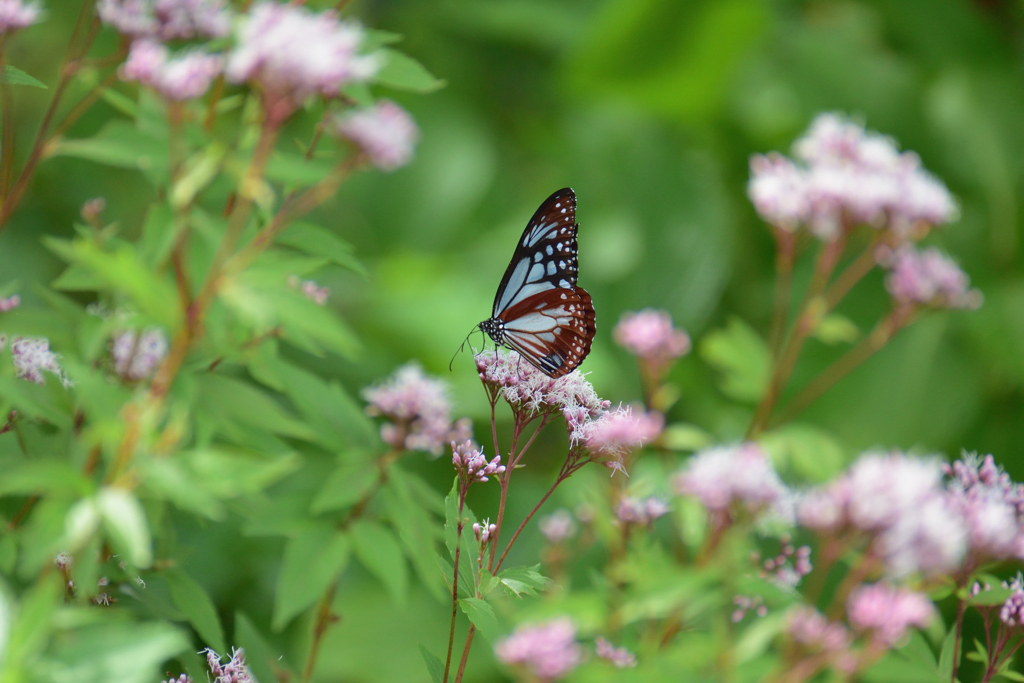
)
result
[(455, 583)]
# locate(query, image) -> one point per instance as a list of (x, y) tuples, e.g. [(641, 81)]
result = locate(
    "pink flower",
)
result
[(928, 278), (641, 512), (849, 175), (731, 475), (235, 671), (311, 289), (992, 505), (484, 532), (1012, 611), (887, 612), (167, 19), (620, 657), (650, 336), (138, 356), (472, 465), (17, 14), (613, 433), (293, 54), (384, 132), (32, 356), (185, 76), (525, 387), (183, 678), (419, 409), (549, 650), (10, 303), (810, 628), (558, 526)]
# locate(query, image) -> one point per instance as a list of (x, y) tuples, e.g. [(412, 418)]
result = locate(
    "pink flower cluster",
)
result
[(235, 671), (484, 532), (558, 526), (612, 433), (619, 656), (788, 567), (1012, 611), (137, 356), (650, 336), (17, 14), (167, 19), (183, 678), (385, 133), (815, 632), (992, 506), (32, 356), (310, 288), (640, 511), (887, 612), (748, 603), (899, 503), (471, 465), (548, 651), (849, 175), (928, 278), (10, 303), (184, 76), (728, 476), (292, 53), (525, 387), (419, 410)]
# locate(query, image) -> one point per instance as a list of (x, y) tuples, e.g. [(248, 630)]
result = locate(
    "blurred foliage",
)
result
[(649, 109)]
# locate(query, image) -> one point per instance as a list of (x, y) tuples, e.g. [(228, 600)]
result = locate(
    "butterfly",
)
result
[(538, 309)]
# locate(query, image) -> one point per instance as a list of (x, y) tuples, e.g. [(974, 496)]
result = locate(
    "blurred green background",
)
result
[(650, 110)]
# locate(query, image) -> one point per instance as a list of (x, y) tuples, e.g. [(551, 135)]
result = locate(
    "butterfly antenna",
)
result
[(462, 346)]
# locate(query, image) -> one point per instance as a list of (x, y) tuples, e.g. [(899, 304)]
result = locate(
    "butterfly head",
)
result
[(495, 329)]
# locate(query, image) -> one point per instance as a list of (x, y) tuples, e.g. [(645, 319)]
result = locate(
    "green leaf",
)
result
[(119, 143), (317, 241), (337, 419), (35, 400), (434, 665), (345, 486), (742, 358), (126, 525), (402, 72), (685, 437), (122, 271), (810, 452), (1011, 674), (197, 607), (482, 616), (258, 654), (44, 477), (226, 474), (946, 655), (312, 562), (415, 527), (125, 652), (31, 627), (169, 479), (523, 580), (837, 329), (13, 76), (246, 405), (378, 551), (992, 597)]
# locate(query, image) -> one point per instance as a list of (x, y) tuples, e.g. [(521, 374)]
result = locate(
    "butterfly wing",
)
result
[(545, 258), (552, 329)]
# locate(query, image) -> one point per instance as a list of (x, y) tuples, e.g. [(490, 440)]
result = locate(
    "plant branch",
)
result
[(785, 253), (455, 583), (561, 477), (324, 619)]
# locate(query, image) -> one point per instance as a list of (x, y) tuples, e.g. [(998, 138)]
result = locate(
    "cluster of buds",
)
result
[(619, 656), (483, 533), (471, 464), (748, 603), (788, 567), (234, 671), (813, 631), (313, 291), (640, 512)]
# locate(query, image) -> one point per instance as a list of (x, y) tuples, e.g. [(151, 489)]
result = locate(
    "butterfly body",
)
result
[(538, 309)]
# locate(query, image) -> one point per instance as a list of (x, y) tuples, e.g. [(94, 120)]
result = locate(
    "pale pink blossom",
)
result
[(234, 671), (1012, 611), (649, 335), (640, 511), (384, 132), (548, 651), (137, 356), (814, 631), (182, 678), (471, 464), (928, 278), (558, 526), (613, 433), (619, 656), (183, 76), (32, 356), (992, 505), (167, 19), (9, 303), (887, 612), (525, 387), (313, 291), (731, 475), (17, 14), (778, 190), (293, 53)]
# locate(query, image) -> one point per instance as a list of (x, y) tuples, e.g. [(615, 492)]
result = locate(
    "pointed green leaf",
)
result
[(742, 359), (523, 580), (415, 528), (402, 72), (345, 485), (319, 241), (312, 562), (946, 662), (13, 76), (482, 616), (434, 665), (197, 607), (378, 551)]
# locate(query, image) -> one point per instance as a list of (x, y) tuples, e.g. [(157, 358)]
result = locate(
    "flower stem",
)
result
[(465, 653), (785, 252), (561, 477), (455, 584), (961, 607), (324, 618)]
